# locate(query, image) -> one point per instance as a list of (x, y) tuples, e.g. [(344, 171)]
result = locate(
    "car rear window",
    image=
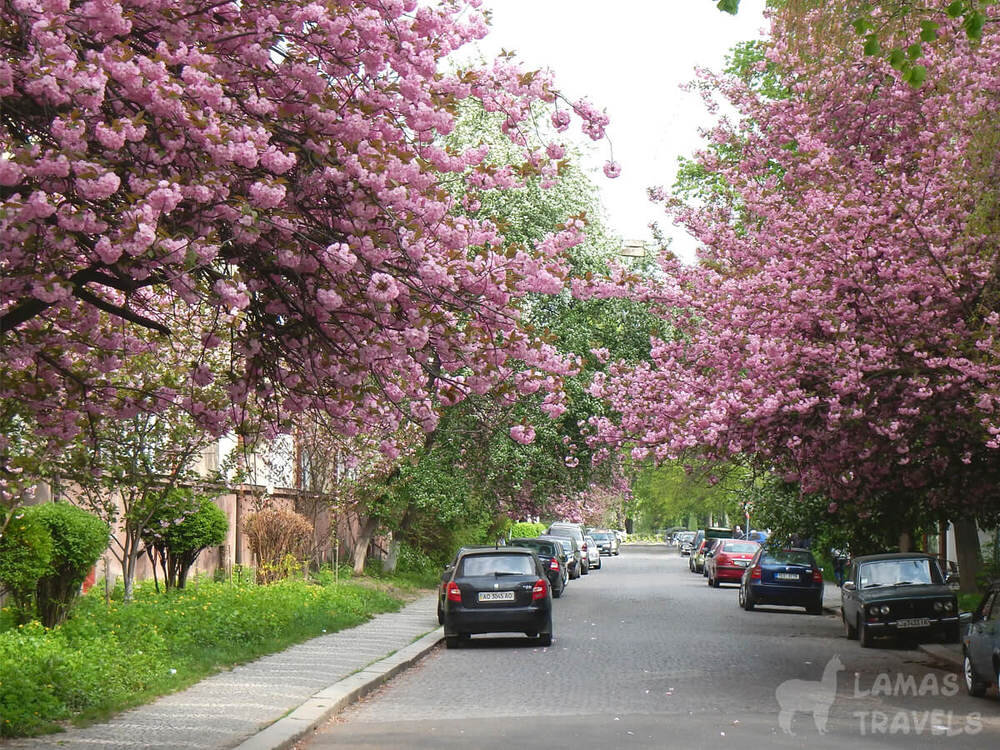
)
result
[(542, 548), (488, 565), (740, 547), (788, 557)]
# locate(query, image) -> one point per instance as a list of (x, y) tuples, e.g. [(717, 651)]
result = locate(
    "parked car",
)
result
[(981, 645), (696, 562), (576, 532), (901, 594), (500, 590), (699, 537), (593, 552), (552, 557), (728, 560), (788, 577), (685, 541), (574, 555), (607, 542)]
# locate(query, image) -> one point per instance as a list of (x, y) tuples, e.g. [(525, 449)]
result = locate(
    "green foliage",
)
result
[(524, 529), (182, 527), (106, 659), (79, 539), (669, 494), (25, 556)]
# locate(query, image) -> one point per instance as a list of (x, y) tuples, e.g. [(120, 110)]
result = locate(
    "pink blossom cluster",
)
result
[(841, 322), (279, 163)]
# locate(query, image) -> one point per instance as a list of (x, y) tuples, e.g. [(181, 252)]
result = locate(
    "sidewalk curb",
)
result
[(296, 724)]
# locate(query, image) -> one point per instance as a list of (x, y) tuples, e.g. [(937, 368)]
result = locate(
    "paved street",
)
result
[(647, 655)]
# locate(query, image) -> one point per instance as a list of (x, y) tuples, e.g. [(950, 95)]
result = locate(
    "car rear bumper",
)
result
[(729, 574), (497, 620), (775, 593)]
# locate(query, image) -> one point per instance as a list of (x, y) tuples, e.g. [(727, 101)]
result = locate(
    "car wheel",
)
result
[(586, 570), (545, 639), (864, 634), (452, 641), (849, 631), (440, 615), (747, 602), (691, 565), (556, 593), (714, 582), (816, 607), (973, 685), (600, 564)]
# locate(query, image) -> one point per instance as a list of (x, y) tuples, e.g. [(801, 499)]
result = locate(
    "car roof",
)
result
[(895, 556), (503, 550)]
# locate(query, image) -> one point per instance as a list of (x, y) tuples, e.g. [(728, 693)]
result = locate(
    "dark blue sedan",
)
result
[(789, 577)]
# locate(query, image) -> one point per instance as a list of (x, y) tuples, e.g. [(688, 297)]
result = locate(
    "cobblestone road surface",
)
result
[(647, 655)]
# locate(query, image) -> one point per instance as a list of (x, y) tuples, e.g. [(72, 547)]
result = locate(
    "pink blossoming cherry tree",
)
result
[(279, 167)]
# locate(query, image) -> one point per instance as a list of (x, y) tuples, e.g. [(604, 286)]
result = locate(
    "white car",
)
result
[(593, 553)]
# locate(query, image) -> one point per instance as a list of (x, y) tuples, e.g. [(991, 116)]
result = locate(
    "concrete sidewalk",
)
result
[(271, 702)]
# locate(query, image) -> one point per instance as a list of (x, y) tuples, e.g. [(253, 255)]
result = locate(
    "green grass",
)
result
[(108, 658), (969, 602)]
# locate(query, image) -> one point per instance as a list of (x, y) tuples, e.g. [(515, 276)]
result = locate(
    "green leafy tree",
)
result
[(182, 528), (79, 539), (25, 556)]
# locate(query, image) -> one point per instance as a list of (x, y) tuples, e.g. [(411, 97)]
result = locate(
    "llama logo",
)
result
[(809, 696)]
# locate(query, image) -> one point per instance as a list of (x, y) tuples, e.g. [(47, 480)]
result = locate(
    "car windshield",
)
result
[(788, 557), (737, 548), (488, 565), (601, 537), (897, 573)]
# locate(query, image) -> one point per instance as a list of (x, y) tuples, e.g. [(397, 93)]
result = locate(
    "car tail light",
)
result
[(755, 573), (722, 559), (454, 592), (817, 575), (554, 564), (540, 590)]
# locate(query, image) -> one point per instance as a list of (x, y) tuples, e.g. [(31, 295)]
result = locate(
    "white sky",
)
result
[(629, 57)]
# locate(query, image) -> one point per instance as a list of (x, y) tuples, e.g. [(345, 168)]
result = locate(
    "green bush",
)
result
[(79, 539), (524, 529), (183, 527), (105, 659), (25, 556)]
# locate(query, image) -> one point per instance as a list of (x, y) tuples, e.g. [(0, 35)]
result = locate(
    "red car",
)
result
[(728, 561)]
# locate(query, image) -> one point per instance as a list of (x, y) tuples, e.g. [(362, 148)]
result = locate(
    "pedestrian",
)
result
[(737, 532), (839, 557)]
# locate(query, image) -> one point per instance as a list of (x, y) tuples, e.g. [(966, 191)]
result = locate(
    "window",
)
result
[(488, 565), (898, 572)]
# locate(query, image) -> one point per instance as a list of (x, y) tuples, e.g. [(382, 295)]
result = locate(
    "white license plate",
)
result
[(787, 576), (742, 563), (496, 596), (914, 622)]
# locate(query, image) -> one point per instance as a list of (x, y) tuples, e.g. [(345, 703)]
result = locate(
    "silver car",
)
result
[(593, 553)]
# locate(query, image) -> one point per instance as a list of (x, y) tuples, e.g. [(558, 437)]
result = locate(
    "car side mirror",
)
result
[(849, 586), (966, 617)]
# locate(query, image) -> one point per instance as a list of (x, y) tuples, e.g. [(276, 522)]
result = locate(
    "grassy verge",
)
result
[(108, 658)]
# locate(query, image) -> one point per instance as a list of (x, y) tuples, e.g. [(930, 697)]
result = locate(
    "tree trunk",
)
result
[(905, 541), (360, 552), (969, 555), (392, 557), (943, 543)]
